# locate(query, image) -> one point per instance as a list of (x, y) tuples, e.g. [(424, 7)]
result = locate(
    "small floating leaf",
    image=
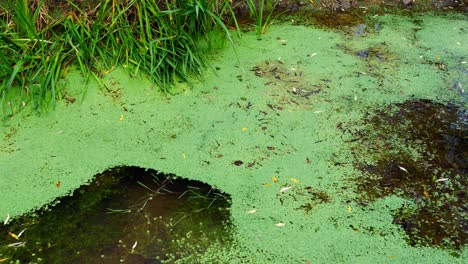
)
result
[(238, 162), (403, 169), (17, 244), (183, 156), (6, 219), (57, 184), (121, 117), (285, 189), (21, 233), (295, 180), (266, 185), (426, 194), (441, 180), (244, 129), (274, 179), (350, 210), (13, 235), (253, 211), (280, 224), (134, 245)]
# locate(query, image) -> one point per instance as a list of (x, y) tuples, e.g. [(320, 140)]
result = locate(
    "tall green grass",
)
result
[(158, 39), (262, 13)]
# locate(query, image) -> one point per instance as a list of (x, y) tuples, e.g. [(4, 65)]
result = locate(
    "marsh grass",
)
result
[(160, 40), (261, 11)]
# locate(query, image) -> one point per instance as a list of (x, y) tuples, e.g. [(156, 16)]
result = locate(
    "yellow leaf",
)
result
[(122, 117), (3, 259), (350, 210), (13, 236), (295, 180), (253, 211), (244, 129), (183, 156), (274, 179), (426, 194), (267, 185)]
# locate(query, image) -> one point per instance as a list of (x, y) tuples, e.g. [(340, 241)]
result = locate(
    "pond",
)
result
[(126, 215)]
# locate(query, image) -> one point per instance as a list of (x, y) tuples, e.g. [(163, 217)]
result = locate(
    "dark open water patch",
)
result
[(418, 150), (126, 215)]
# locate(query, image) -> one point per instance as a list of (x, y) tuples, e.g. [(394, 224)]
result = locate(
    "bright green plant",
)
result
[(262, 13), (159, 39)]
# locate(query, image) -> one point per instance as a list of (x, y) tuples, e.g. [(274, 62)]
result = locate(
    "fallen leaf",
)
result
[(13, 236), (403, 169), (183, 156), (441, 180), (17, 244), (295, 180), (57, 184), (253, 211), (6, 219), (121, 117), (244, 129), (280, 224), (21, 233), (350, 210), (134, 245), (285, 189), (274, 179), (238, 162), (426, 194), (3, 259), (267, 185), (110, 70)]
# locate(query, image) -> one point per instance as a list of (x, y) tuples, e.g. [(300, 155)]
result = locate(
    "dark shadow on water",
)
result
[(126, 215), (418, 150)]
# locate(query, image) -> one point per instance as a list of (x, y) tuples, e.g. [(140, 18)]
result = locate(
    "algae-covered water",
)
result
[(336, 144)]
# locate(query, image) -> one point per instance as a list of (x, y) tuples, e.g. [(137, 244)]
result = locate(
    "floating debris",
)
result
[(429, 140)]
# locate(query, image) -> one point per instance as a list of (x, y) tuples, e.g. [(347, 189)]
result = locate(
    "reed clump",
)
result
[(157, 38)]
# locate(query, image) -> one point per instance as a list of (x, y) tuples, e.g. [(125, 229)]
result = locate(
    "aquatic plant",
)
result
[(262, 13), (157, 38)]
